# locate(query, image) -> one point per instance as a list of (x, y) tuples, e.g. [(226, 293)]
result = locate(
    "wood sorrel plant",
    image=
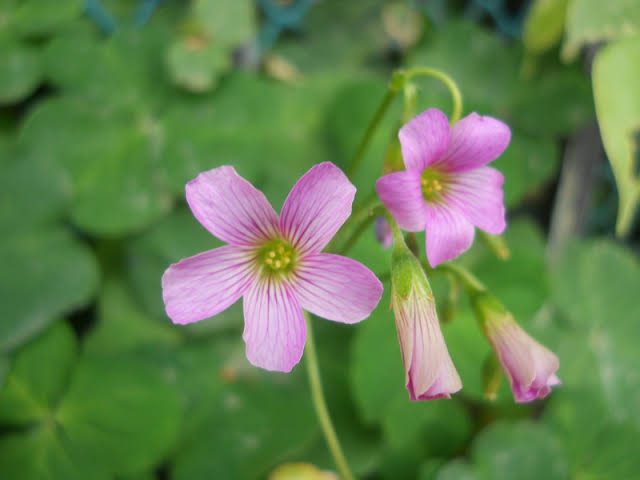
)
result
[(277, 265)]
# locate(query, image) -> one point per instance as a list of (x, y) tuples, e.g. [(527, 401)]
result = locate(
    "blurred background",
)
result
[(108, 107)]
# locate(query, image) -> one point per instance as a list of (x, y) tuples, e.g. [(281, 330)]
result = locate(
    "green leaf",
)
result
[(123, 327), (544, 25), (525, 451), (442, 428), (281, 121), (111, 157), (329, 45), (555, 102), (592, 21), (119, 415), (23, 176), (456, 470), (600, 448), (45, 274), (125, 71), (20, 71), (42, 454), (39, 374), (120, 412), (254, 424), (616, 70), (195, 66), (480, 85), (377, 374), (227, 22), (526, 165), (522, 281), (37, 18), (4, 368), (594, 288)]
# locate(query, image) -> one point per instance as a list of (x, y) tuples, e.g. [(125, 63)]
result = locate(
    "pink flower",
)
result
[(274, 263), (446, 187), (530, 367), (429, 371)]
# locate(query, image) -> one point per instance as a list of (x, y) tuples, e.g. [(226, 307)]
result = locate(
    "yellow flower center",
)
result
[(277, 257), (433, 184)]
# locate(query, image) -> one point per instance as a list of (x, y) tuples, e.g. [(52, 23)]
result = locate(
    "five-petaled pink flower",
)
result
[(274, 263), (446, 187)]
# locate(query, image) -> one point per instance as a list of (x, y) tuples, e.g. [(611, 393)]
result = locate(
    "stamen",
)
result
[(433, 183), (277, 257)]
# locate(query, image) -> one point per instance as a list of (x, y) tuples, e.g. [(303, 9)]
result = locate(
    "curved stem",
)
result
[(468, 279), (399, 80), (320, 405), (456, 96)]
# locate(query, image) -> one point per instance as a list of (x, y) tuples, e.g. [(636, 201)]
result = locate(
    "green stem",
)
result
[(371, 129), (468, 279), (399, 80), (320, 405), (456, 96)]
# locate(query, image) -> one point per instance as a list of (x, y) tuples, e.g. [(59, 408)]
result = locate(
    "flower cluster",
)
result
[(276, 263)]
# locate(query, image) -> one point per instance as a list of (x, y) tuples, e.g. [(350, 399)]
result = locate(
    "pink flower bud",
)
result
[(429, 371), (530, 367)]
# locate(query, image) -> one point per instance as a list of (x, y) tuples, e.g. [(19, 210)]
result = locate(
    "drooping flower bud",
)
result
[(429, 371), (383, 232), (530, 367)]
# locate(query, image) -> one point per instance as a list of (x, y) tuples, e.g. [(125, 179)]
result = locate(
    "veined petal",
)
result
[(274, 328), (424, 139), (317, 206), (401, 194), (475, 141), (449, 234), (336, 288), (230, 207), (204, 285), (477, 194), (429, 371), (530, 367)]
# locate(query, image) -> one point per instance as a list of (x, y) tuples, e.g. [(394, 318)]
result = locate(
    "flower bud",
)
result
[(429, 371), (530, 367), (384, 235)]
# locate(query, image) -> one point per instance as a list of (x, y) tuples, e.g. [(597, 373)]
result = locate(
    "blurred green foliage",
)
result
[(98, 135)]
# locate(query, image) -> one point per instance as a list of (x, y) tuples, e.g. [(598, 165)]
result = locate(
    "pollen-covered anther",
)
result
[(277, 256), (432, 184)]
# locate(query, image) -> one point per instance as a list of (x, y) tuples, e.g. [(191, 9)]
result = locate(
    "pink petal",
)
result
[(202, 286), (449, 234), (401, 194), (530, 367), (274, 328), (429, 371), (475, 141), (424, 139), (230, 207), (477, 194), (336, 288), (317, 206)]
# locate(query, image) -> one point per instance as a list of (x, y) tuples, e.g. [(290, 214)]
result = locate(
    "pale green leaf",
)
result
[(616, 71)]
